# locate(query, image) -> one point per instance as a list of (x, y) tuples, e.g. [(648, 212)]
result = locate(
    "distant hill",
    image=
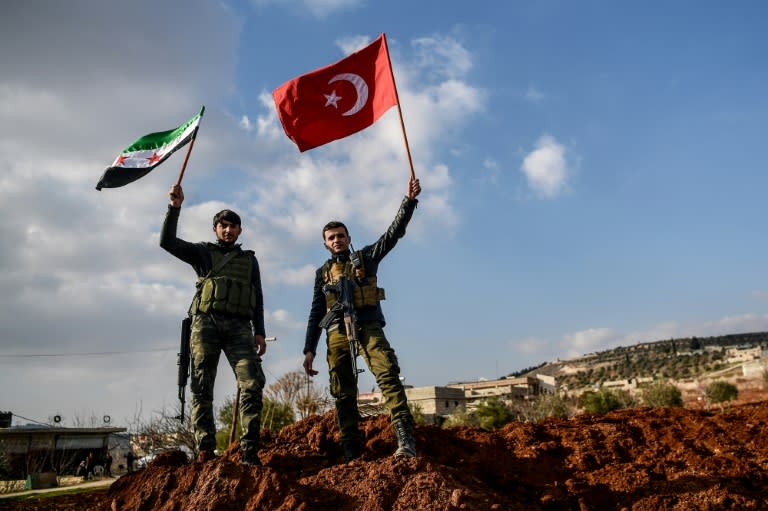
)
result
[(686, 357)]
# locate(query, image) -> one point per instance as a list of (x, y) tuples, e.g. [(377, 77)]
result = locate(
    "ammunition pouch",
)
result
[(365, 291), (225, 295)]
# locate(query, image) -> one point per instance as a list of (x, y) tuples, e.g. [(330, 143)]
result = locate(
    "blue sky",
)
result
[(593, 175)]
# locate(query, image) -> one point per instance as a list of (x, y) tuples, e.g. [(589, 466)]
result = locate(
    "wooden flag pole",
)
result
[(235, 413), (186, 158), (400, 111)]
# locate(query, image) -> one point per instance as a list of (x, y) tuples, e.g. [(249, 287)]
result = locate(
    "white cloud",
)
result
[(529, 345), (442, 57), (586, 341), (245, 123), (597, 339), (546, 168), (534, 95), (490, 164), (317, 8), (351, 44)]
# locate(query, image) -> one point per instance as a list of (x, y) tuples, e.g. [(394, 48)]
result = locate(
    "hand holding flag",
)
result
[(146, 153)]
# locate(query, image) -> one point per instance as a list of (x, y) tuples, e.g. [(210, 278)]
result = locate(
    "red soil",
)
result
[(639, 459)]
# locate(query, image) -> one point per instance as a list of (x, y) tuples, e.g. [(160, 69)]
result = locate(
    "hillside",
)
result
[(672, 359), (635, 460)]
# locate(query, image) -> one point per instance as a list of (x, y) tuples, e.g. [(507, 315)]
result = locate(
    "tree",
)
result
[(298, 390), (165, 431), (695, 344), (311, 400), (276, 416), (492, 414), (662, 395), (721, 391)]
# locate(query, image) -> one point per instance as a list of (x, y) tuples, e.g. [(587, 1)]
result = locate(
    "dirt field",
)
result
[(639, 459)]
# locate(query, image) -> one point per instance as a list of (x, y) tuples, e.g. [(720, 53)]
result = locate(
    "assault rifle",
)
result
[(344, 307), (184, 359)]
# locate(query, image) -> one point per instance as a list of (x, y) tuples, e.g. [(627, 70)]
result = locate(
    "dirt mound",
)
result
[(639, 459)]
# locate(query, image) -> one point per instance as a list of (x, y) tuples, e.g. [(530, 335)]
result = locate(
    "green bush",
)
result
[(721, 391), (417, 413), (660, 395), (492, 414), (602, 401), (458, 419), (549, 405)]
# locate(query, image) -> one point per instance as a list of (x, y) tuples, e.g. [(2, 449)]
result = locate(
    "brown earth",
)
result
[(639, 459)]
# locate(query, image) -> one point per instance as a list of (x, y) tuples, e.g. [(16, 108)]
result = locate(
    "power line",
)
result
[(31, 420), (82, 354), (95, 353)]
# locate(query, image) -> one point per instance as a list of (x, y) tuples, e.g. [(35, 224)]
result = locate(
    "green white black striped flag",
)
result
[(149, 151)]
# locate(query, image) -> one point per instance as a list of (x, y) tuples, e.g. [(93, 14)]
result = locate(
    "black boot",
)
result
[(406, 443), (250, 456), (351, 448)]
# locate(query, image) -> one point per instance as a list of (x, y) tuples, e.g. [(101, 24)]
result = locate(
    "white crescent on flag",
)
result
[(360, 87)]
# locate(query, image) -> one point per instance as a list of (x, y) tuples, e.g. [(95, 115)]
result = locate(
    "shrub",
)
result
[(458, 419), (417, 413), (546, 405), (661, 395), (721, 391), (602, 401), (492, 414)]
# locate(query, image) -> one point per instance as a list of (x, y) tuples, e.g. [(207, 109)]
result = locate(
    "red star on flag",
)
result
[(120, 159), (153, 159)]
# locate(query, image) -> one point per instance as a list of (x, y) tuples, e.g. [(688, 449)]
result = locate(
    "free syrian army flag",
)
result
[(146, 153)]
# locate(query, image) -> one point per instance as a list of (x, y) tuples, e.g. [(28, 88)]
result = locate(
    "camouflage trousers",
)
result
[(212, 334), (380, 358)]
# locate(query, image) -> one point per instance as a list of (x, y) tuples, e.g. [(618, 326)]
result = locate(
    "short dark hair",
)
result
[(334, 224), (228, 215)]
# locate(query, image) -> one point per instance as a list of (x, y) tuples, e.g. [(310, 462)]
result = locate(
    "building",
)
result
[(504, 389), (30, 449), (437, 403)]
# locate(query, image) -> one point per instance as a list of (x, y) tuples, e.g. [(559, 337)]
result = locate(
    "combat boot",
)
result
[(205, 455), (406, 443), (351, 448), (250, 456)]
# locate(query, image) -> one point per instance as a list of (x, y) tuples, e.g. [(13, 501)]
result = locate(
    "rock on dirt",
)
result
[(675, 459)]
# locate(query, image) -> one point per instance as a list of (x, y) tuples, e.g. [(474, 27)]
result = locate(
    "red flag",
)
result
[(338, 100)]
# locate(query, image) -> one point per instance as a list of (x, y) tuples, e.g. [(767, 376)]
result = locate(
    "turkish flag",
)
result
[(338, 100)]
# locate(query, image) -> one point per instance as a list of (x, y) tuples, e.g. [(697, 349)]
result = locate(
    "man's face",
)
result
[(337, 240), (227, 231)]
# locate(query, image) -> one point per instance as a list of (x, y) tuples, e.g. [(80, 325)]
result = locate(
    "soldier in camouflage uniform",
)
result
[(360, 268), (227, 315)]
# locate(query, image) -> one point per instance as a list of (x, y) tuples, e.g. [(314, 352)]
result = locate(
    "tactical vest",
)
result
[(230, 290), (366, 293)]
